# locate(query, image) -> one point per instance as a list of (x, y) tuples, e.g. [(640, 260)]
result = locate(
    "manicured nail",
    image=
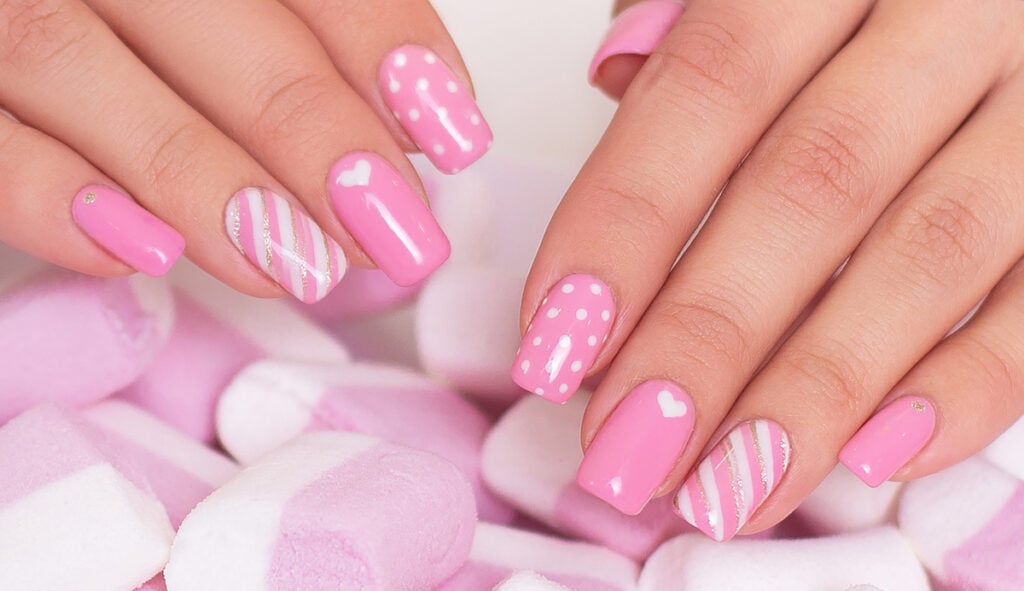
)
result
[(284, 243), (637, 31), (565, 337), (889, 439), (129, 232), (734, 480), (638, 445), (390, 221), (435, 108)]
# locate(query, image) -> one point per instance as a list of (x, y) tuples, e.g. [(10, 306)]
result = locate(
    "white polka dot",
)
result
[(595, 289), (466, 146), (438, 149), (563, 388), (394, 86), (576, 366), (564, 341), (537, 341), (422, 84), (452, 86), (539, 391), (581, 314), (568, 288), (401, 60), (606, 315), (553, 312), (442, 113), (474, 119), (430, 58), (592, 341), (414, 114), (525, 366)]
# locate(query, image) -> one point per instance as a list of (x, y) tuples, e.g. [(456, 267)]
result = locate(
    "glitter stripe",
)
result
[(760, 459), (734, 480), (236, 225), (330, 263), (266, 234)]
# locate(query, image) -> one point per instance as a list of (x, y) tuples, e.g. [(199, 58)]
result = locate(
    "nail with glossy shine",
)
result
[(126, 230), (637, 446), (889, 439), (637, 31)]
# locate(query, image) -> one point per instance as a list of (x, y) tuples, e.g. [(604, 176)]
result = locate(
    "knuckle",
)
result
[(172, 152), (711, 323), (39, 34), (999, 375), (633, 216), (830, 374), (291, 105)]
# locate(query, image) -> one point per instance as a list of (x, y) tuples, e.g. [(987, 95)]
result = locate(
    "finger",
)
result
[(64, 72), (948, 239), (816, 182), (957, 400), (48, 212), (637, 30), (712, 88), (409, 70)]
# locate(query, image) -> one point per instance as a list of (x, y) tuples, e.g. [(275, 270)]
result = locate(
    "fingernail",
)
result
[(434, 108), (637, 31), (889, 439), (565, 337), (637, 446), (390, 221), (129, 232), (734, 480), (284, 243)]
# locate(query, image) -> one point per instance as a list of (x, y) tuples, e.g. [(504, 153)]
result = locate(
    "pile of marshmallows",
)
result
[(173, 434)]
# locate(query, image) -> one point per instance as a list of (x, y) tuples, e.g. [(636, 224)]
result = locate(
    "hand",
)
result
[(264, 130), (887, 133)]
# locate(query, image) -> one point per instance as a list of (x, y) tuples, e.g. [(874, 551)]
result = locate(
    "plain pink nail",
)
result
[(390, 221), (126, 230), (889, 439), (637, 31), (565, 337), (637, 446), (434, 108)]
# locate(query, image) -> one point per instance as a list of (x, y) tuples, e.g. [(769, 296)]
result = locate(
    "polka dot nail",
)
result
[(564, 338), (434, 108)]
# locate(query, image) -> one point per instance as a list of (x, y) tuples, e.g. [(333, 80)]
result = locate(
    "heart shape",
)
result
[(358, 176), (670, 407)]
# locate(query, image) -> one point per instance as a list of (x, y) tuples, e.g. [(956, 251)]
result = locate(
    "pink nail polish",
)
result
[(637, 446), (284, 243), (565, 337), (734, 480), (434, 107), (126, 230), (387, 217), (889, 439), (637, 31)]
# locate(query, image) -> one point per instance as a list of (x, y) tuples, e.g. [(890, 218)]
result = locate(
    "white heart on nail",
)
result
[(670, 407), (358, 176)]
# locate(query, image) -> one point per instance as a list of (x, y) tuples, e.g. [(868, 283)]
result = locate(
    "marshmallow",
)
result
[(270, 402), (154, 584), (72, 339), (966, 525), (73, 513), (499, 551), (529, 581), (219, 331), (361, 291), (1005, 452), (880, 556), (328, 510), (842, 503), (180, 471), (530, 458)]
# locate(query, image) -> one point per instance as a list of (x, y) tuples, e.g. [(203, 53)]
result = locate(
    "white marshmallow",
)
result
[(842, 504), (529, 581)]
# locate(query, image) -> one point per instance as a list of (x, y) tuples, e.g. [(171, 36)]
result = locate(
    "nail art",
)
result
[(388, 219), (284, 243), (434, 108), (734, 480), (126, 230), (637, 31), (637, 446), (564, 338), (889, 439)]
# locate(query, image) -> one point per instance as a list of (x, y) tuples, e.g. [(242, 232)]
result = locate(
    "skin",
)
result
[(183, 103), (887, 133)]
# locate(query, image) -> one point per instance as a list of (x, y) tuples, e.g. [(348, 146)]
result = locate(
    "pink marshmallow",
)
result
[(74, 513), (154, 584), (530, 459), (271, 402), (966, 524), (181, 471), (499, 552), (329, 511), (360, 292), (842, 504), (218, 332), (72, 339)]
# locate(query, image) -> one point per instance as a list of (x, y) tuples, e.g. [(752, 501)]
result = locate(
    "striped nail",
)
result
[(284, 243), (734, 480)]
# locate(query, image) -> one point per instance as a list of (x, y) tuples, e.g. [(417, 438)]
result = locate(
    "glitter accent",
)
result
[(300, 249), (90, 198), (236, 227), (737, 489), (266, 234), (327, 251), (917, 406), (760, 458), (704, 501)]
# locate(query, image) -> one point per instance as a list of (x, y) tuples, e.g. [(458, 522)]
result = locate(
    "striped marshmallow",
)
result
[(737, 476), (285, 243)]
